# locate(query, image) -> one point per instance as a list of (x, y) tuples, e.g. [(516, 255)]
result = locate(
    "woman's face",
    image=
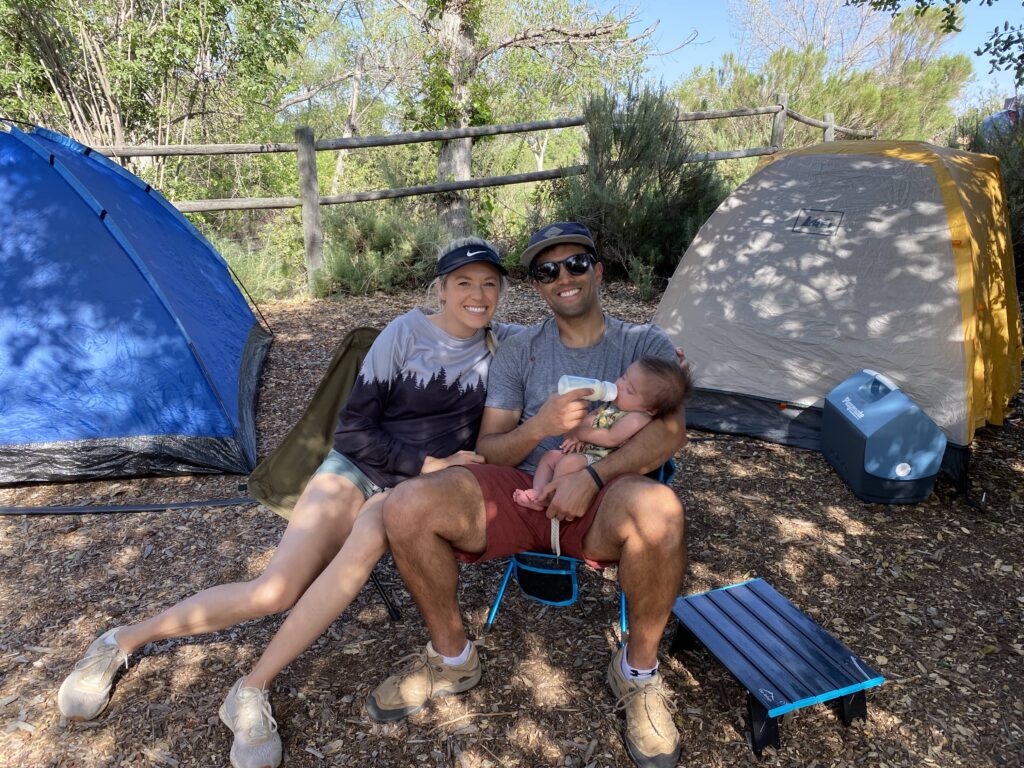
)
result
[(469, 297)]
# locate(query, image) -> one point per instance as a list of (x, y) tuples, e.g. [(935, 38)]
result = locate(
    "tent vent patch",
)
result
[(812, 221)]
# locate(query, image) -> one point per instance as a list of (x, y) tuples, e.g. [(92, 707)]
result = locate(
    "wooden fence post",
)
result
[(309, 191), (830, 126), (779, 122)]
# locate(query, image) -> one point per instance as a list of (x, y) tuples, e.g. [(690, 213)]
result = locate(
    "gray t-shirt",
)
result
[(528, 365)]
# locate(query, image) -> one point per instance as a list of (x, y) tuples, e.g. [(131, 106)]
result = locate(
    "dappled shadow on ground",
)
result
[(930, 594)]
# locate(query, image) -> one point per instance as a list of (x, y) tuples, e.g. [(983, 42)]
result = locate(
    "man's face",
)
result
[(569, 295)]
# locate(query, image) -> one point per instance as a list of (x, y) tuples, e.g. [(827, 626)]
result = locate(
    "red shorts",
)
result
[(512, 529)]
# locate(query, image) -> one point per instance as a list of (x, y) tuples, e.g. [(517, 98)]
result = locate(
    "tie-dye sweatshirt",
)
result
[(420, 392)]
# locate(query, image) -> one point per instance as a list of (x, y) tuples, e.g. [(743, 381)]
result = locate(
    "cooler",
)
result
[(883, 446)]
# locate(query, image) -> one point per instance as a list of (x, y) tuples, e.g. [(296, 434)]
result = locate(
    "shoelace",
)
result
[(412, 663), (657, 689), (104, 655), (254, 714)]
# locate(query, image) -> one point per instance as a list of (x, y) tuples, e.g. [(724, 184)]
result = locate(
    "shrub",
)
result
[(377, 248), (273, 269), (643, 196)]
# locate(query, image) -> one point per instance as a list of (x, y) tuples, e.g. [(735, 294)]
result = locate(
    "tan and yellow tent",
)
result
[(893, 256)]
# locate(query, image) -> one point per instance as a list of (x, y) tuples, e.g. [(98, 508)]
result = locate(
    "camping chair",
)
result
[(279, 479), (551, 579)]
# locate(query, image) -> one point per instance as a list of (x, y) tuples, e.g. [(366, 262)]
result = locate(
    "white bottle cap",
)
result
[(610, 391), (902, 469)]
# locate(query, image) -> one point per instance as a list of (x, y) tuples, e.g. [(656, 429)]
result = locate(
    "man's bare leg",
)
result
[(426, 517), (640, 524), (642, 521)]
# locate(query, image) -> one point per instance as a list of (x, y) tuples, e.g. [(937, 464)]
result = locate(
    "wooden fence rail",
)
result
[(306, 146)]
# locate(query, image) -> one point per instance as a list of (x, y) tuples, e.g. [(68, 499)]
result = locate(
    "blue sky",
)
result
[(710, 18)]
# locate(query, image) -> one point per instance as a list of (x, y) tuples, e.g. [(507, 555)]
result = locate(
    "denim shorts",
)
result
[(340, 464)]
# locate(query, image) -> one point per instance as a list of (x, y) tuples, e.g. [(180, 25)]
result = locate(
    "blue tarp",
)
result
[(125, 347)]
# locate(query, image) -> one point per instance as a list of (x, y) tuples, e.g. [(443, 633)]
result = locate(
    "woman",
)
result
[(415, 408)]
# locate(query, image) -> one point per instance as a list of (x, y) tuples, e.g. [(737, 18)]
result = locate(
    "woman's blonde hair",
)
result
[(433, 299)]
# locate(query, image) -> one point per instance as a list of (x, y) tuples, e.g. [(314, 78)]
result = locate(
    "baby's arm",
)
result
[(619, 432)]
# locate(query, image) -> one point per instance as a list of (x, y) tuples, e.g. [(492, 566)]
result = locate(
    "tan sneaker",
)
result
[(651, 736), (86, 691), (426, 677), (246, 711)]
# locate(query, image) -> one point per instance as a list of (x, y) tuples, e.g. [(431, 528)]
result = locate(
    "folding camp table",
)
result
[(781, 656)]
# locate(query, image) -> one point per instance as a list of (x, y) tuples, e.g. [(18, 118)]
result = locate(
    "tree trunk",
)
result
[(350, 126), (454, 159)]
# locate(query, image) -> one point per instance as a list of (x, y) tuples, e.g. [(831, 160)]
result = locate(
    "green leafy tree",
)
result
[(904, 95), (1005, 46), (134, 71), (466, 44)]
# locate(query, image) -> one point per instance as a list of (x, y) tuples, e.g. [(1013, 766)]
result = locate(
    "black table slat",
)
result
[(800, 660), (749, 676), (841, 656), (782, 687)]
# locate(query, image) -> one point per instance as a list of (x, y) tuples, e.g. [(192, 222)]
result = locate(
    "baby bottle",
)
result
[(603, 390)]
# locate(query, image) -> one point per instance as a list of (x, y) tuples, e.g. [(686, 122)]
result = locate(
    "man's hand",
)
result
[(568, 497), (432, 464), (681, 360), (562, 413)]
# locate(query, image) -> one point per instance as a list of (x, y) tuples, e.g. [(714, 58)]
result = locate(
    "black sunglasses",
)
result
[(577, 264)]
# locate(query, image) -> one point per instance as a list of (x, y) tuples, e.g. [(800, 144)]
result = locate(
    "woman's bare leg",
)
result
[(318, 527), (325, 599)]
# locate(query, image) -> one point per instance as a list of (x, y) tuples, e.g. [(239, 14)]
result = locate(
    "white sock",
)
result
[(462, 658), (111, 639), (631, 672)]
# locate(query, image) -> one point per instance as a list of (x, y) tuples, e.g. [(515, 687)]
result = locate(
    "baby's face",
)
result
[(632, 386)]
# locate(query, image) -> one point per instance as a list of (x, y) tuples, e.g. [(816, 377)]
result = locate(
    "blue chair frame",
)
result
[(533, 564)]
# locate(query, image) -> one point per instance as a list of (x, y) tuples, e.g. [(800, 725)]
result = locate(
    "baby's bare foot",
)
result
[(527, 498)]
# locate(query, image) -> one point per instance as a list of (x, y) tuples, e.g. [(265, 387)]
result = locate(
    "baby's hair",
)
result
[(674, 384)]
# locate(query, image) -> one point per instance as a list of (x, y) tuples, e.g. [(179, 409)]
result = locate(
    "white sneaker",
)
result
[(246, 711), (86, 691)]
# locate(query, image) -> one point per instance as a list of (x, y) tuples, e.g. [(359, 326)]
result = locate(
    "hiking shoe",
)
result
[(86, 691), (651, 736), (425, 677), (246, 711)]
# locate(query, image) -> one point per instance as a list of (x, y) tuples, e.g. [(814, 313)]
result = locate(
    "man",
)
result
[(608, 512)]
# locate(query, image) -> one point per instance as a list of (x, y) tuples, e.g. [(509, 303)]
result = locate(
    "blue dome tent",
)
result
[(125, 347)]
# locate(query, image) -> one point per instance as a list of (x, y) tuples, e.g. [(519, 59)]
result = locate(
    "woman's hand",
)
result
[(434, 464)]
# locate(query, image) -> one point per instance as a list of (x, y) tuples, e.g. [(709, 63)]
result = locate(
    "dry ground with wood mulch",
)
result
[(931, 594)]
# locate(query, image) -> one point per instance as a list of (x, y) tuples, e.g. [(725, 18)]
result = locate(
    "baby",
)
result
[(650, 387)]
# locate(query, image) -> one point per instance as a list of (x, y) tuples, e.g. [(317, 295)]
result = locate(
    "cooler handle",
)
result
[(879, 379)]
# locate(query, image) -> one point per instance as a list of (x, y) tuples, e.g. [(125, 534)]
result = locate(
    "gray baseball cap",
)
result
[(555, 234)]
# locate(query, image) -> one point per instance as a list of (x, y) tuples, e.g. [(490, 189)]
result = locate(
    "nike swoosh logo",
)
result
[(474, 253)]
